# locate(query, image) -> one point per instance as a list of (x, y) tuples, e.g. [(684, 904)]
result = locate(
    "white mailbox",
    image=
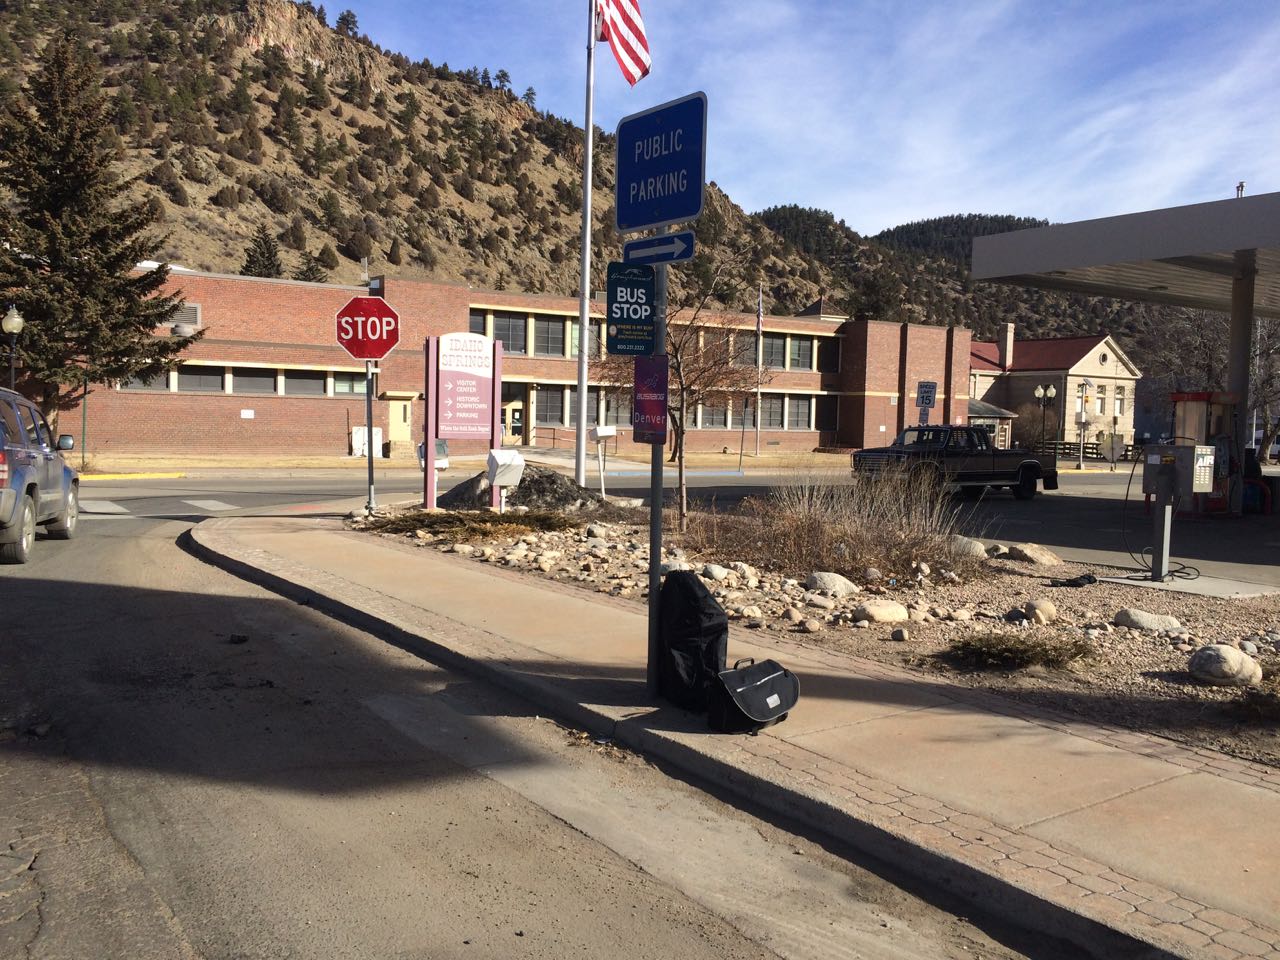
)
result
[(600, 434), (506, 467)]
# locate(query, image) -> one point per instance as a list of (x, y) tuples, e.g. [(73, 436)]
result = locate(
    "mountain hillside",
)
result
[(249, 114)]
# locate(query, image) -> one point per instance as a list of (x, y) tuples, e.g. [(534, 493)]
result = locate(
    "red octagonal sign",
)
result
[(367, 328)]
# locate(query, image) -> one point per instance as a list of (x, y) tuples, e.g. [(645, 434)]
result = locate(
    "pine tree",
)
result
[(70, 240), (328, 257), (393, 255), (262, 256), (311, 270)]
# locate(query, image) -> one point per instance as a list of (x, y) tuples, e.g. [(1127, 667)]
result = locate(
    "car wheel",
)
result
[(1026, 486), (63, 527), (20, 550)]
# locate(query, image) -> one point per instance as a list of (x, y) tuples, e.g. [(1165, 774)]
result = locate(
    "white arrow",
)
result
[(448, 401), (675, 246), (448, 384)]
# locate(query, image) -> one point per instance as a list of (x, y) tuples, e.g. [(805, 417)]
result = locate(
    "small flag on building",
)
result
[(621, 25)]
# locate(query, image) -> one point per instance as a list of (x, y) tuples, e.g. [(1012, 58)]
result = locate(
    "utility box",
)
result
[(601, 433), (506, 467), (1177, 470)]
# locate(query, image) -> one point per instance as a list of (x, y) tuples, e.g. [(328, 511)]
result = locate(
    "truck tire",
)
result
[(63, 526), (20, 550), (1025, 489)]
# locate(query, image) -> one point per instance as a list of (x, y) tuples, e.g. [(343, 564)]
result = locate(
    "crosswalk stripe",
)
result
[(101, 506), (214, 506)]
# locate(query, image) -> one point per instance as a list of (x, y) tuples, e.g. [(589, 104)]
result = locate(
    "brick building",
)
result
[(268, 375)]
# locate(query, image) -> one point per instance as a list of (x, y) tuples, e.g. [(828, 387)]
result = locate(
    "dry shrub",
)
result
[(468, 525), (1012, 651), (842, 524)]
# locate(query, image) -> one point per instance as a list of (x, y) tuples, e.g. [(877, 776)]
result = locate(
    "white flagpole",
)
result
[(584, 302), (759, 359)]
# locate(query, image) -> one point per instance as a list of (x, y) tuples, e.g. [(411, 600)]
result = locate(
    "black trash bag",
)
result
[(695, 640), (752, 696)]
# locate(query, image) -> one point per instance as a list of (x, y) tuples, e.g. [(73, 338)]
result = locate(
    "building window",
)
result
[(475, 322), (593, 408), (715, 415), (771, 411), (345, 383), (510, 329), (827, 413), (744, 349), (617, 409), (193, 379), (596, 336), (775, 350), (828, 355), (156, 383), (801, 353), (1120, 401), (548, 336), (550, 407), (252, 380), (304, 383), (798, 412), (1100, 401)]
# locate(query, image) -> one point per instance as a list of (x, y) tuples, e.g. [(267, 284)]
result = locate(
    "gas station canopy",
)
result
[(1184, 256)]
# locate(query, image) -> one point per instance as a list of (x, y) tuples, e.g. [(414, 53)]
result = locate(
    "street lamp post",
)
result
[(1085, 386), (1044, 397), (12, 325)]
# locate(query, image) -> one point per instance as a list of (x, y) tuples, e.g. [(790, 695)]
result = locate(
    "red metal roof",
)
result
[(1057, 353)]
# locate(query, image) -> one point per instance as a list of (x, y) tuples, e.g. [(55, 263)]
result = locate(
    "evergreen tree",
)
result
[(70, 240), (393, 255), (328, 257), (502, 79), (262, 256), (346, 23), (530, 98), (311, 269)]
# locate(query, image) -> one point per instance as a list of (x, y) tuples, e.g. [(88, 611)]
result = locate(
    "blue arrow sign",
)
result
[(671, 248), (662, 155)]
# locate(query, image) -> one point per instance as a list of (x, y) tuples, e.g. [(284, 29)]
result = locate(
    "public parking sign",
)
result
[(662, 164), (630, 318), (367, 328)]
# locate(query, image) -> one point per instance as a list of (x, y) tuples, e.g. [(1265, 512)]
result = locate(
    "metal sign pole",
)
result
[(430, 384), (372, 504), (657, 453)]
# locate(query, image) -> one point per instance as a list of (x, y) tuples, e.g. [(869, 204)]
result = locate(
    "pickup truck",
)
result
[(964, 456)]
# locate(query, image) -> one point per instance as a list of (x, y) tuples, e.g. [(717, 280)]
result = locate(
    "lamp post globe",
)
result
[(12, 325)]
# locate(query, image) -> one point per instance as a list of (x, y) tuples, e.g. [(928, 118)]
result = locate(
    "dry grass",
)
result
[(831, 522), (465, 526), (996, 650)]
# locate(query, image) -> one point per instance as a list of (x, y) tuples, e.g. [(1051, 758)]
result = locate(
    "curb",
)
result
[(992, 894), (91, 477)]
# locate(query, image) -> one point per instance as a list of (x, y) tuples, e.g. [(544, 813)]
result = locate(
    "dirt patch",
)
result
[(540, 488)]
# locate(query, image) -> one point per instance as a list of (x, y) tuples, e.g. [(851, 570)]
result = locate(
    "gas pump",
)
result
[(1208, 418)]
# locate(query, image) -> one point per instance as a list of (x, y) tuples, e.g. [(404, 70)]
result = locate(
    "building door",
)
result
[(400, 424), (513, 413)]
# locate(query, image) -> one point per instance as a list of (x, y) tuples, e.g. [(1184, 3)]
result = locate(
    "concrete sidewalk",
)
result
[(1125, 844)]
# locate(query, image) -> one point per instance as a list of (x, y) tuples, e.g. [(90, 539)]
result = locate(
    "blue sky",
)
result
[(885, 112)]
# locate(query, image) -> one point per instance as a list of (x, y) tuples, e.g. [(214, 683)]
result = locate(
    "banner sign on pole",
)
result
[(629, 319), (649, 411)]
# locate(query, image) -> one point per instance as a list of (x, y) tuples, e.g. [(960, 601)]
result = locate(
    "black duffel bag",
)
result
[(695, 640), (751, 696)]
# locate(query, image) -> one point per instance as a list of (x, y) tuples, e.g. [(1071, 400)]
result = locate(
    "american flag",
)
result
[(621, 25)]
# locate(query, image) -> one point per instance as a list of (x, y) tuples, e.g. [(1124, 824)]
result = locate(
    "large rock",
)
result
[(881, 611), (1041, 611), (1141, 620), (831, 583), (1224, 666), (966, 548), (1034, 553), (713, 571)]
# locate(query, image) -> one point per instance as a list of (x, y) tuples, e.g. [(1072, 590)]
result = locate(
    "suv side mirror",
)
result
[(66, 441)]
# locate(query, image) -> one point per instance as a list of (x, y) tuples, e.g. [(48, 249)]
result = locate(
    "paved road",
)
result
[(1089, 519), (192, 767)]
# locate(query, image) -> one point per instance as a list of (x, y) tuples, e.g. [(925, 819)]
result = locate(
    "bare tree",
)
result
[(704, 350)]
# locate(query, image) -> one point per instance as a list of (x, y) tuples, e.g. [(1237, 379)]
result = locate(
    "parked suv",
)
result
[(36, 486)]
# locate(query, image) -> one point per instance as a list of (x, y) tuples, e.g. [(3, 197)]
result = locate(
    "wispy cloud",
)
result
[(886, 112)]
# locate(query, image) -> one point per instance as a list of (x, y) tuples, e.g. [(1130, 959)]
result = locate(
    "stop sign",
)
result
[(367, 328)]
